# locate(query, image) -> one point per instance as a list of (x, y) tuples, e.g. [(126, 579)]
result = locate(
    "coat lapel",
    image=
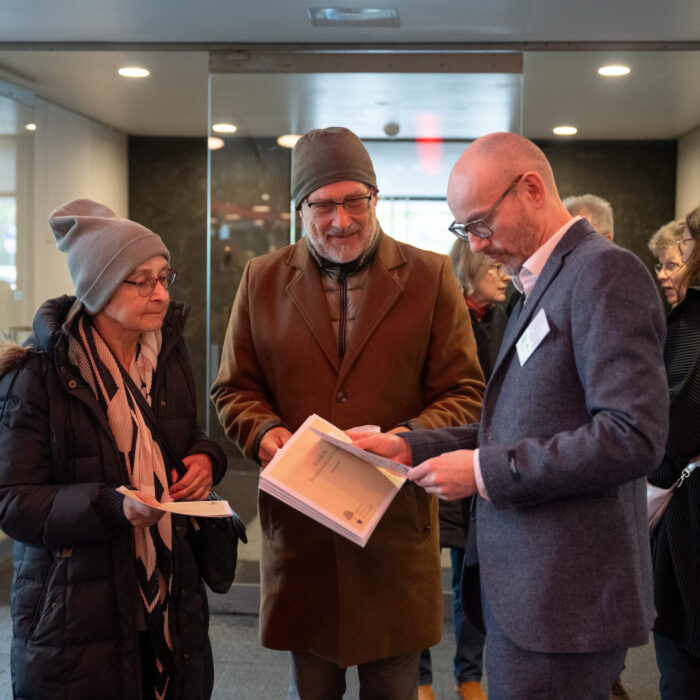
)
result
[(516, 325), (306, 293)]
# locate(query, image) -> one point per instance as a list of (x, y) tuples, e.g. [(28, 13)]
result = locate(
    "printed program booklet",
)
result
[(340, 486)]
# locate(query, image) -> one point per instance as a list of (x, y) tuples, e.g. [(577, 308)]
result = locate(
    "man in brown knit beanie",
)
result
[(360, 329)]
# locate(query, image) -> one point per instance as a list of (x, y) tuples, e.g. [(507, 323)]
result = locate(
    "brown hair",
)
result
[(691, 276), (468, 266)]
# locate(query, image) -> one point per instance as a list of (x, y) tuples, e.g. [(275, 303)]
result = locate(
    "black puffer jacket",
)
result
[(74, 587)]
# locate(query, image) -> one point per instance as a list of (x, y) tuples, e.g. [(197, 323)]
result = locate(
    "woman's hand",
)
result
[(139, 513), (196, 483)]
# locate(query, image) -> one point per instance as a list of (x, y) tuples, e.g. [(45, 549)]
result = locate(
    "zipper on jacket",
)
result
[(41, 601), (342, 321)]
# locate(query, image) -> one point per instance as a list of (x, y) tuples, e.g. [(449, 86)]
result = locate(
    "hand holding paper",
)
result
[(202, 509), (383, 444)]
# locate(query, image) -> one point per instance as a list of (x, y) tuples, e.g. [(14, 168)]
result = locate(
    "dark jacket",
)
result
[(676, 550), (74, 587), (488, 334)]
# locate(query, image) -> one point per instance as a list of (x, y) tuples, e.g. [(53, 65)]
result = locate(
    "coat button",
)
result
[(341, 397), (72, 384), (163, 404)]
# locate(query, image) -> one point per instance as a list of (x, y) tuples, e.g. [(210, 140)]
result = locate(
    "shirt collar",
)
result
[(525, 280)]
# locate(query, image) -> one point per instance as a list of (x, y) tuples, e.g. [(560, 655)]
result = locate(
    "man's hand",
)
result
[(196, 483), (271, 441), (449, 476), (139, 513), (382, 444)]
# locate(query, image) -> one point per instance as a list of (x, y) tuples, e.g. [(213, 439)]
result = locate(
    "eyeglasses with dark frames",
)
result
[(352, 205), (480, 227), (146, 287)]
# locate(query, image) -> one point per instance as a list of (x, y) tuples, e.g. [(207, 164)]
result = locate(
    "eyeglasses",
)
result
[(497, 270), (352, 205), (479, 227), (682, 243), (147, 286), (670, 267)]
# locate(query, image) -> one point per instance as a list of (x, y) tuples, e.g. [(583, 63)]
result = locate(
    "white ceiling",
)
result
[(659, 99)]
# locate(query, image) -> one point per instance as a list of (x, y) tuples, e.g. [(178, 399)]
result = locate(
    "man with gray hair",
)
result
[(360, 329), (596, 209)]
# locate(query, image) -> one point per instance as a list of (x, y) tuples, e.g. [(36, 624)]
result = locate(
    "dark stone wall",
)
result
[(638, 178)]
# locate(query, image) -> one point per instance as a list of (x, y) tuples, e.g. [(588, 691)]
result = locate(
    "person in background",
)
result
[(676, 544), (597, 210), (669, 270), (360, 329), (107, 602), (484, 287), (574, 418)]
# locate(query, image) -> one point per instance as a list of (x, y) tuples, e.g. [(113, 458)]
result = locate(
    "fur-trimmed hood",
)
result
[(11, 356)]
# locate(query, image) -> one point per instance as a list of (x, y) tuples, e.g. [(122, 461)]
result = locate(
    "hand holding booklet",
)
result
[(323, 475)]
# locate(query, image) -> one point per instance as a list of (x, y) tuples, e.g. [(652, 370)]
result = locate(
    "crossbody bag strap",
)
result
[(153, 423)]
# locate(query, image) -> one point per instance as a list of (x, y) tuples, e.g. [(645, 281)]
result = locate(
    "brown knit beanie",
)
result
[(323, 156), (102, 248)]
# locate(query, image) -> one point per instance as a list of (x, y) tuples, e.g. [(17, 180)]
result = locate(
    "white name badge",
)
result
[(534, 334)]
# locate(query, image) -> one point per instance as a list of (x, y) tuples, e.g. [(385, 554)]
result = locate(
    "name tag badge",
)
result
[(534, 334)]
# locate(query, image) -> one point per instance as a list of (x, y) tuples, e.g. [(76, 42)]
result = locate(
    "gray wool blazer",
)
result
[(566, 441)]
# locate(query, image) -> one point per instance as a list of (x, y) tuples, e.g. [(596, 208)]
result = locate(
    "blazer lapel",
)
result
[(306, 293), (516, 325)]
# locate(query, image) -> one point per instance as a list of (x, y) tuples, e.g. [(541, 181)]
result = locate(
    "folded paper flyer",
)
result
[(201, 509)]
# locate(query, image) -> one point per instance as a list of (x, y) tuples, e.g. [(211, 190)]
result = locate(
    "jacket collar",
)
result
[(380, 293)]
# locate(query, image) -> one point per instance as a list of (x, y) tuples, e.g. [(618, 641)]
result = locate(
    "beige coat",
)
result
[(411, 357)]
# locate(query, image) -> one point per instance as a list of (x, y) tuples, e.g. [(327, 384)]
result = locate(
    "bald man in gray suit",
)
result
[(574, 418)]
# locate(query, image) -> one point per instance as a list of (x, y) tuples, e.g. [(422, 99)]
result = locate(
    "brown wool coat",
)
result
[(411, 357)]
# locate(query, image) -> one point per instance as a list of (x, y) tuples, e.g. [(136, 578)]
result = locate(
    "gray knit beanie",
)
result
[(323, 156), (103, 249)]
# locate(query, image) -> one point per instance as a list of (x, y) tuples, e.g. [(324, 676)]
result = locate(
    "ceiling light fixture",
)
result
[(214, 143), (30, 127), (224, 128), (614, 71), (134, 72), (288, 140), (564, 130), (352, 17)]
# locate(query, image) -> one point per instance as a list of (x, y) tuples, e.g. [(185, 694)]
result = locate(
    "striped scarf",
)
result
[(145, 467)]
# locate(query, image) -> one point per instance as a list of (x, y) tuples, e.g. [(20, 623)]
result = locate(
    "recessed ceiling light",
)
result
[(214, 143), (30, 127), (352, 17), (288, 140), (564, 130), (134, 72), (224, 128), (614, 71)]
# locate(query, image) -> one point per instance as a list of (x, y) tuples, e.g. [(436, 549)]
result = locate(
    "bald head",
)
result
[(500, 157), (511, 172)]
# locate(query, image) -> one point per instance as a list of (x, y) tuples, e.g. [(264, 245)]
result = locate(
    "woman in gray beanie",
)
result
[(107, 601)]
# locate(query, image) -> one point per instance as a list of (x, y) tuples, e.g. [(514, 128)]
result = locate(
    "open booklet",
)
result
[(202, 509), (321, 474)]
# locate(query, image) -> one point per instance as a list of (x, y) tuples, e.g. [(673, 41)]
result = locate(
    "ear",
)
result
[(534, 188)]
